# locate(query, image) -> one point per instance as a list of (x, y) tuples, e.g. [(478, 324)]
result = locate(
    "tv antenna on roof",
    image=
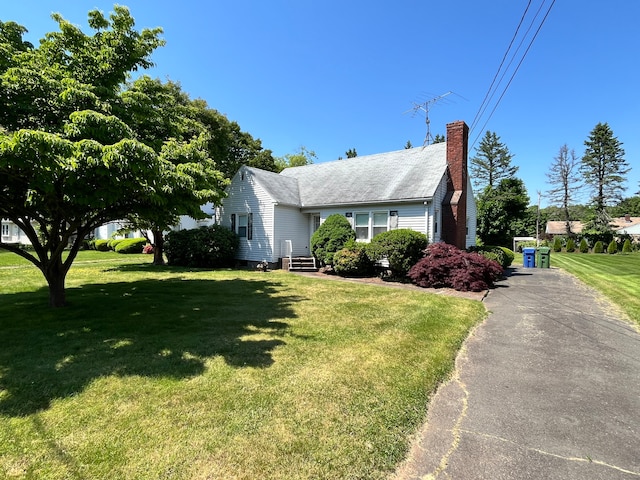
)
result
[(425, 106)]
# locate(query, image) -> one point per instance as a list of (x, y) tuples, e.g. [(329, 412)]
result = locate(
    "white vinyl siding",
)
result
[(247, 197), (292, 225)]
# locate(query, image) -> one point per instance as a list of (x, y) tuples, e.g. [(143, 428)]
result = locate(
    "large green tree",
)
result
[(303, 156), (502, 210), (491, 163), (564, 181), (604, 171), (167, 120), (68, 161)]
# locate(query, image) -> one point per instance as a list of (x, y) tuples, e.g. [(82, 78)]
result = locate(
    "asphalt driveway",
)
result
[(548, 387)]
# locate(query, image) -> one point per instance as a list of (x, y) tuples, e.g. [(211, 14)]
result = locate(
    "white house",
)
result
[(426, 189), (12, 233)]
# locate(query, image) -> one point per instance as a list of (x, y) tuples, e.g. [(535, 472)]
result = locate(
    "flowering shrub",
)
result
[(147, 249), (445, 266)]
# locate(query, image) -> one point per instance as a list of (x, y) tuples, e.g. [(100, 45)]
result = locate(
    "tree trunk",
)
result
[(158, 248), (55, 279)]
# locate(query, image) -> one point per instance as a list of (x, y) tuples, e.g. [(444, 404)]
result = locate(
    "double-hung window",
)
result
[(243, 222), (379, 223), (362, 226), (370, 224)]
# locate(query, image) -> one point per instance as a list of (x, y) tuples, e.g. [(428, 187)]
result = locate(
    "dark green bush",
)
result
[(503, 255), (571, 246), (403, 248), (557, 244), (626, 246), (584, 246), (598, 247), (330, 237), (130, 245), (613, 247), (101, 245), (353, 261), (214, 246)]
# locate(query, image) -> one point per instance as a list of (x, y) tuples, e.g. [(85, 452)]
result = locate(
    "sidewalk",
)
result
[(548, 387)]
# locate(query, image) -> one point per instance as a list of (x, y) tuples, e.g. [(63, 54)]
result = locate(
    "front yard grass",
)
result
[(157, 372)]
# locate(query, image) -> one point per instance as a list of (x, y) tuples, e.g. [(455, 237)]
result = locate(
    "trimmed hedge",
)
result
[(214, 246), (331, 236), (402, 248), (612, 248), (571, 246), (130, 245), (584, 246), (101, 245), (503, 255)]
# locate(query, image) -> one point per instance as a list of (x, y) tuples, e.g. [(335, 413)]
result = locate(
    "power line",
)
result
[(483, 107), (504, 57)]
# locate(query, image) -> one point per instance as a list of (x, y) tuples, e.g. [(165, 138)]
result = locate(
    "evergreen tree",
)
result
[(439, 138), (492, 162), (604, 171), (351, 153)]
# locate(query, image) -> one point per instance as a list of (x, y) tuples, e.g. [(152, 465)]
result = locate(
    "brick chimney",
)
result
[(454, 205)]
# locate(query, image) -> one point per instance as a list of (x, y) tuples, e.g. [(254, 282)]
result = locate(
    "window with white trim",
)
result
[(362, 226), (5, 230), (243, 222), (369, 224)]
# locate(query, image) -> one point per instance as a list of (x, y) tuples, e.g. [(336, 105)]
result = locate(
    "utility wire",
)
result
[(483, 107), (477, 117), (515, 71)]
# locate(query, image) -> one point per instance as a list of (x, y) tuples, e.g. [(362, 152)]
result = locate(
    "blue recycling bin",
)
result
[(529, 257)]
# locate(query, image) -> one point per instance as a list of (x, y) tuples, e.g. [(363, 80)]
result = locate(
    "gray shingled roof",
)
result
[(409, 174), (283, 190)]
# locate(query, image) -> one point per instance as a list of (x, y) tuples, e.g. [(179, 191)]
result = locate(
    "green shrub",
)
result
[(503, 255), (584, 246), (113, 243), (130, 245), (330, 237), (353, 261), (626, 246), (214, 246), (571, 246), (557, 244), (403, 248), (598, 247), (613, 247), (101, 245)]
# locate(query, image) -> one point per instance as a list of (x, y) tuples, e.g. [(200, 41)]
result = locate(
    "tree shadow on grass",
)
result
[(155, 328)]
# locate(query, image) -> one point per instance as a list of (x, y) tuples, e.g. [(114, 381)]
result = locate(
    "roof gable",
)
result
[(282, 190), (403, 175)]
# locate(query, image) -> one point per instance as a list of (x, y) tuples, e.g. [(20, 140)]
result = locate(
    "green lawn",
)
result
[(616, 276), (156, 373)]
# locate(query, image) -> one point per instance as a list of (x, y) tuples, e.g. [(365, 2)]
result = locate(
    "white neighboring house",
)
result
[(11, 233), (426, 189)]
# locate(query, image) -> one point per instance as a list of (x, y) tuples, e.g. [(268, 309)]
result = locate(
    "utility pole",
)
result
[(538, 222)]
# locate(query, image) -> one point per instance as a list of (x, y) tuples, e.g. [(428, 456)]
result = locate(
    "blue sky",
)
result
[(335, 75)]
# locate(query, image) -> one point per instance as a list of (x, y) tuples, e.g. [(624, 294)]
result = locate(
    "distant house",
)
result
[(627, 225), (620, 226), (426, 189), (559, 227)]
